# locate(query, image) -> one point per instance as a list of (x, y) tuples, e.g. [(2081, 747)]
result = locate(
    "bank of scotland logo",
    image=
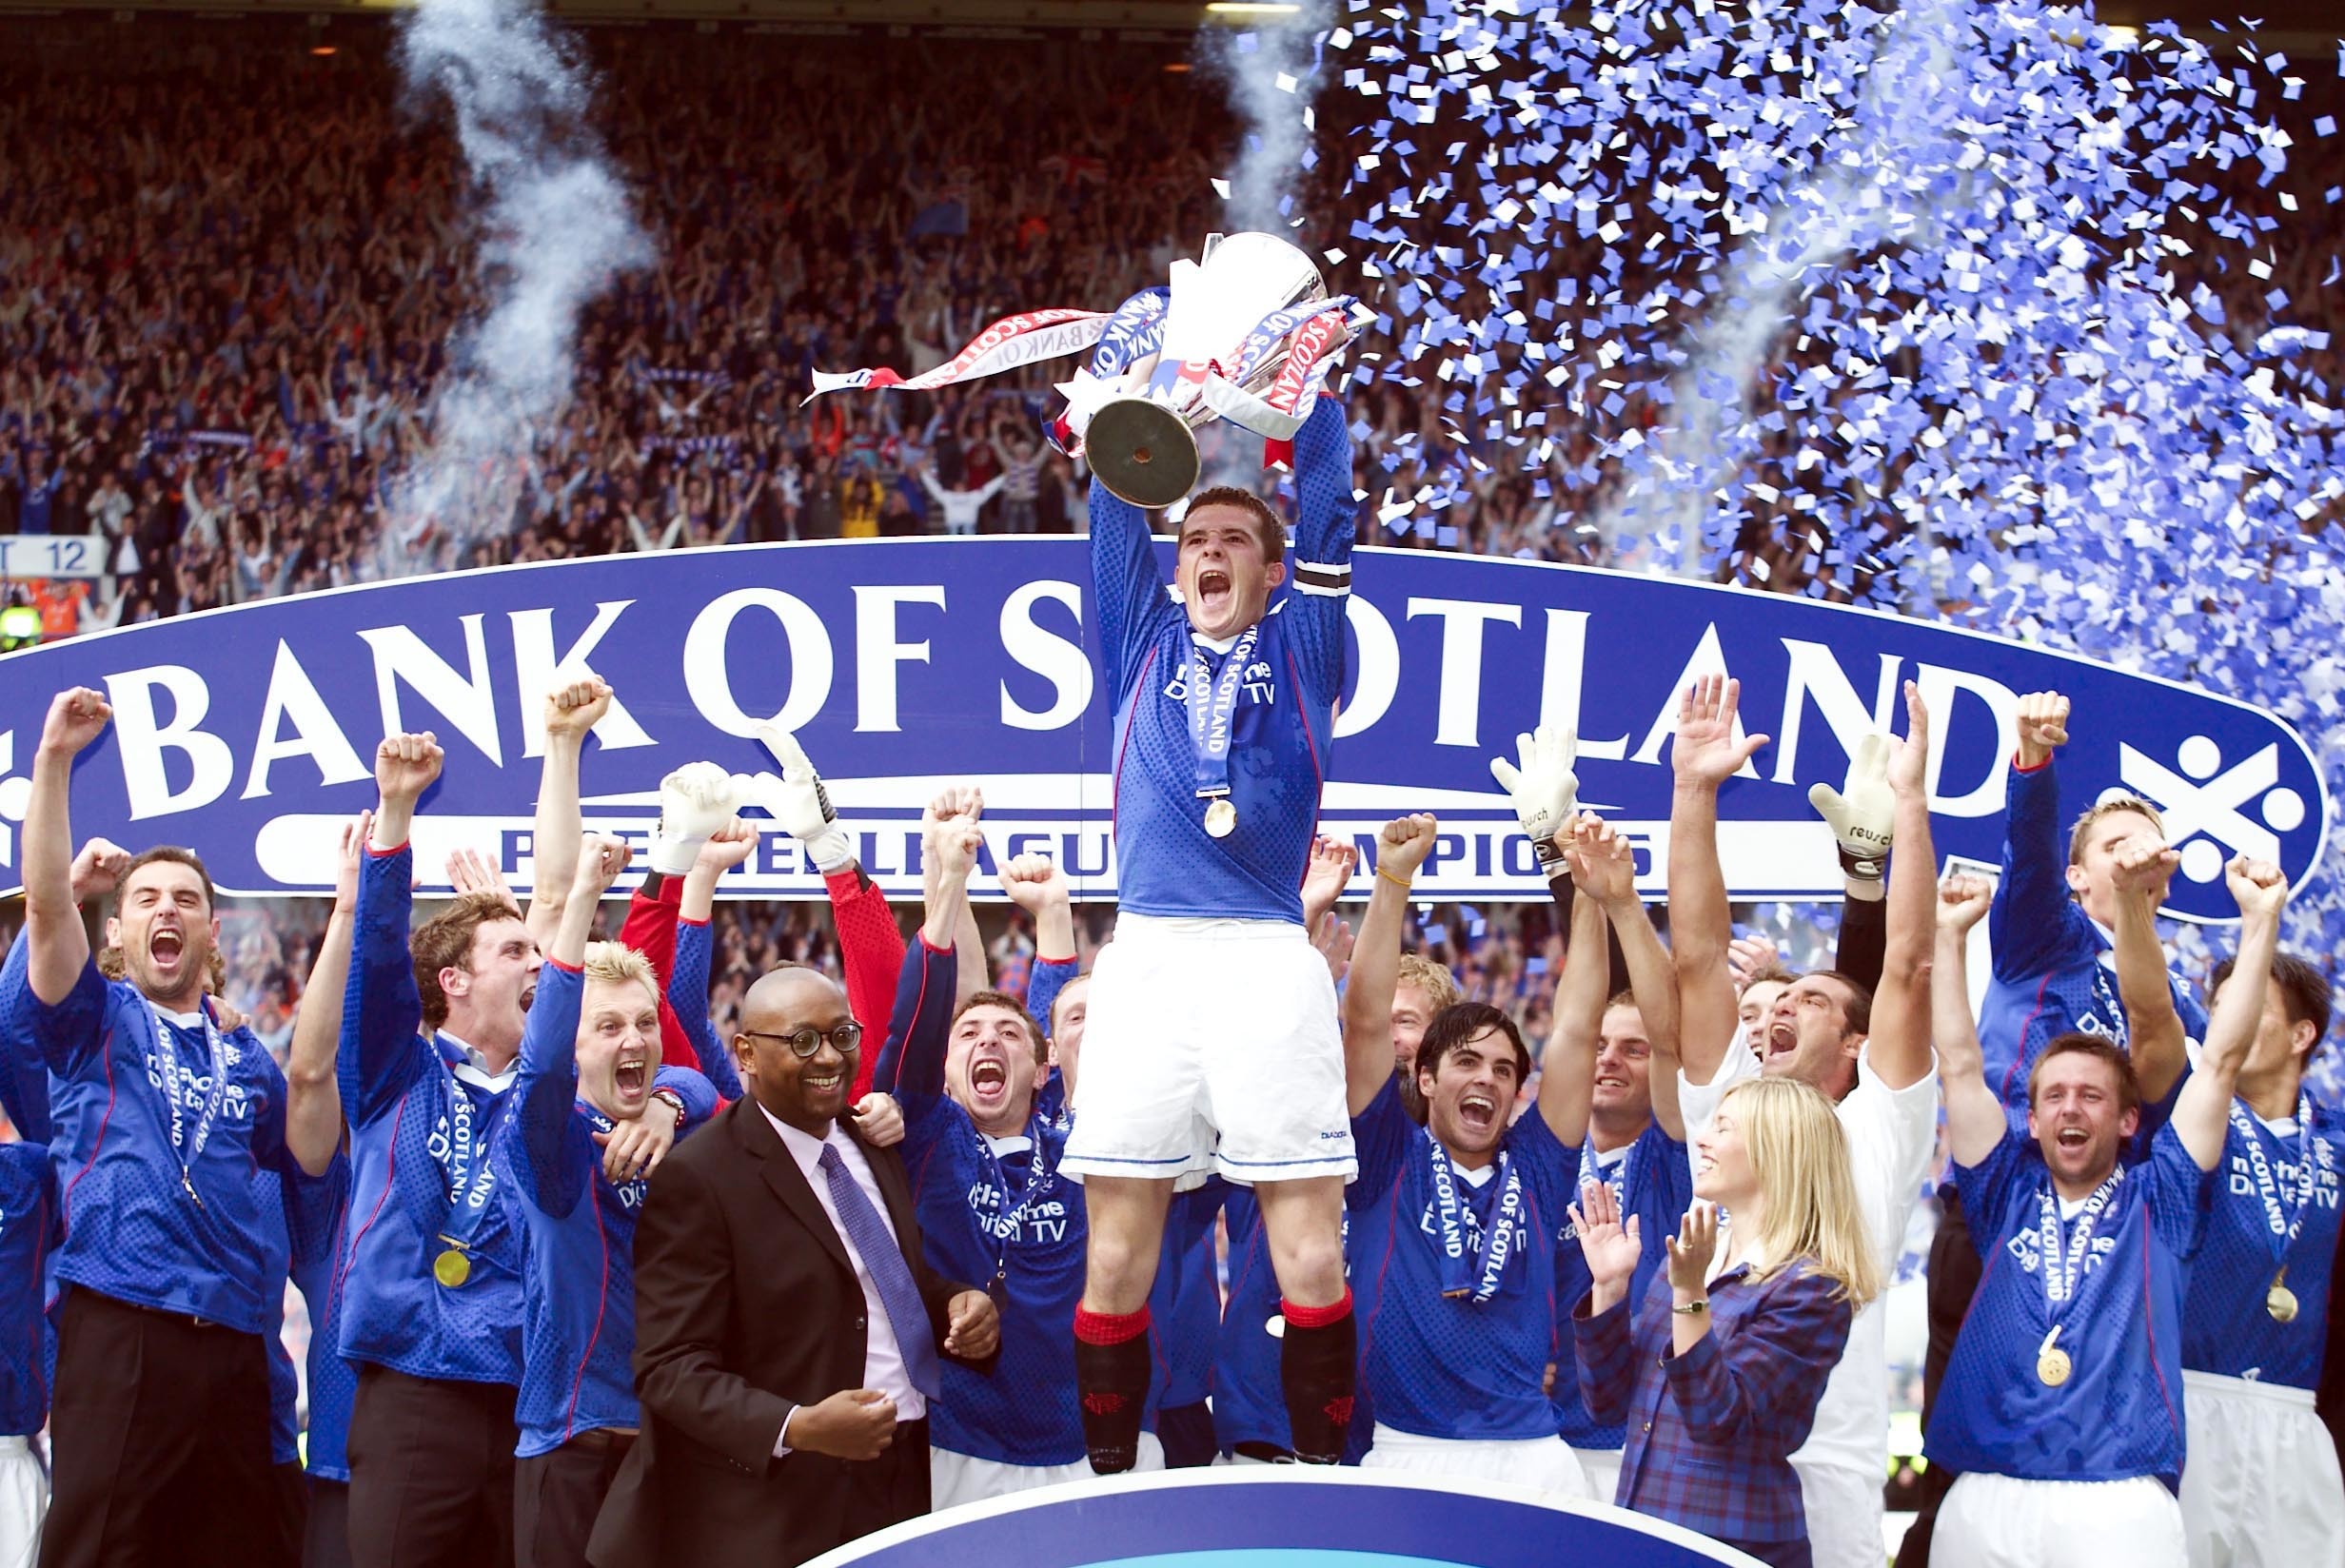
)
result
[(2206, 806)]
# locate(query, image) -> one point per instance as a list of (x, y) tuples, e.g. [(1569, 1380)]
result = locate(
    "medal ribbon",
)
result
[(2286, 1225), (1213, 711), (471, 1175), (187, 1143), (2063, 1267), (1496, 1243)]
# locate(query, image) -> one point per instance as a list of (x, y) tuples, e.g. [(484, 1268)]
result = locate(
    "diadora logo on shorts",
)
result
[(2205, 805)]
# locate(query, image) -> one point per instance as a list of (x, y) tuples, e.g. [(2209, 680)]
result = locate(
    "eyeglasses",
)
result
[(806, 1042)]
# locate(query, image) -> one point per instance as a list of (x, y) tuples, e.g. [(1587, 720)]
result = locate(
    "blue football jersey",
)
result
[(1469, 1365), (422, 1124), (28, 1231), (24, 1076), (997, 1213), (161, 1191), (578, 1257), (1653, 1179), (1289, 673), (2113, 1410), (2265, 1218)]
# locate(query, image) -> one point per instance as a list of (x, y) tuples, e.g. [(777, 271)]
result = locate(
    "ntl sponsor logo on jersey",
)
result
[(904, 663)]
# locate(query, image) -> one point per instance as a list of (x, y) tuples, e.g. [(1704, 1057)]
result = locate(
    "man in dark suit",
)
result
[(786, 1329)]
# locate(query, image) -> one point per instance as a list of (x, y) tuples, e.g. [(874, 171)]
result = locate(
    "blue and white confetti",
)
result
[(1977, 310)]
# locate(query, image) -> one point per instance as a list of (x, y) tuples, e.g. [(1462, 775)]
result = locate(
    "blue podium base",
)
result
[(1280, 1517)]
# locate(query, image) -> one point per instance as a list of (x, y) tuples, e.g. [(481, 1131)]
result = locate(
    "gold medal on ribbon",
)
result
[(2279, 1301), (2052, 1363), (451, 1268), (1221, 818)]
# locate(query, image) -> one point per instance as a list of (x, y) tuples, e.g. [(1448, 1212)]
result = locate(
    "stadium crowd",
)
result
[(217, 359)]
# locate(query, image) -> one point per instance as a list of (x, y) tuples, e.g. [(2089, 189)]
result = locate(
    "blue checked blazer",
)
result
[(1710, 1433)]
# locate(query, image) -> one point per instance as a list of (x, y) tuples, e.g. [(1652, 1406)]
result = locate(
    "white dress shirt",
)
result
[(883, 1359)]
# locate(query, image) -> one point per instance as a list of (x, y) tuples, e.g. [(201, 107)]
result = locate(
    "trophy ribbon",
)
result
[(1024, 339)]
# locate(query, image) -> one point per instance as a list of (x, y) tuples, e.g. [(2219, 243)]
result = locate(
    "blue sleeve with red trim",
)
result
[(64, 1037), (1050, 977), (552, 1153), (912, 1066), (688, 1001), (1380, 1138), (1128, 590), (1326, 527), (2033, 925), (380, 1051), (24, 1077)]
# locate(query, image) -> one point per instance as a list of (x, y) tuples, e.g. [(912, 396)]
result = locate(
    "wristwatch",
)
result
[(1691, 1308), (669, 1097)]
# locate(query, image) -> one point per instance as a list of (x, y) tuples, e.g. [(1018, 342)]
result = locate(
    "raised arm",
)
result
[(1975, 1118), (871, 948), (1400, 847), (912, 1066), (1705, 755), (1034, 884), (1863, 816), (2154, 1031), (2028, 927), (552, 1157), (689, 978), (1326, 528), (571, 710), (313, 1089), (57, 950), (960, 805), (1605, 869), (1127, 587), (1568, 1066), (2203, 1108), (379, 1053), (1899, 1044)]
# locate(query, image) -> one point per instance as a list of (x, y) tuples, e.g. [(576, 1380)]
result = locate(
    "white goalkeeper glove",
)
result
[(1862, 811), (1544, 790), (799, 805), (695, 801)]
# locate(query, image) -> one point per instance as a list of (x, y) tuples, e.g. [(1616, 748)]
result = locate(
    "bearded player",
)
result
[(1213, 1041)]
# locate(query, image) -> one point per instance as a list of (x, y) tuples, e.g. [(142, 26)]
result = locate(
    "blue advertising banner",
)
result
[(249, 732), (1277, 1516)]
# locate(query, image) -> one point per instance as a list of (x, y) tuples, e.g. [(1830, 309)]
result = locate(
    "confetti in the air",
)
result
[(1965, 308)]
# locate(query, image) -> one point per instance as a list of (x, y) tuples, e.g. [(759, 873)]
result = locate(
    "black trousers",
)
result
[(432, 1472), (158, 1442), (326, 1541), (292, 1489), (1954, 1280), (890, 1489), (556, 1495)]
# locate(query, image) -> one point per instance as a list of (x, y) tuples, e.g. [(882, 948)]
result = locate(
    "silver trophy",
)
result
[(1242, 334), (1240, 318)]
